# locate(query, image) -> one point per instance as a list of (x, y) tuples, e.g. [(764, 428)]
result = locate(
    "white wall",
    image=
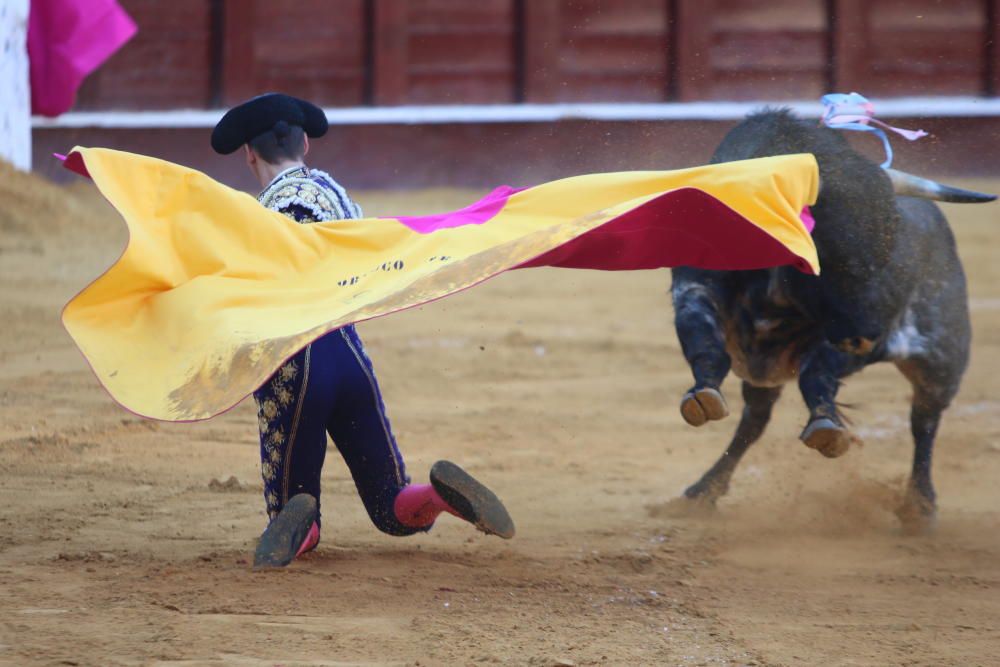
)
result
[(15, 96)]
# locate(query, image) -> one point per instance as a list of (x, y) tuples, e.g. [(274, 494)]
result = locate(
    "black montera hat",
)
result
[(260, 114)]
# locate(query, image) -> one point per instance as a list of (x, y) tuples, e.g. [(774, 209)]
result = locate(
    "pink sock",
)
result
[(418, 505), (312, 539)]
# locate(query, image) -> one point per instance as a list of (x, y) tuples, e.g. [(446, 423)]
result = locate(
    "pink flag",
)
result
[(67, 40)]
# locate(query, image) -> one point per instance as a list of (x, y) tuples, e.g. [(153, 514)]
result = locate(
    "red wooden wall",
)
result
[(318, 52), (211, 53), (444, 52), (735, 49), (934, 47), (597, 51), (166, 64)]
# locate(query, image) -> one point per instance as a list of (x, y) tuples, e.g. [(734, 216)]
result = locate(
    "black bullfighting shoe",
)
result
[(289, 534), (471, 500)]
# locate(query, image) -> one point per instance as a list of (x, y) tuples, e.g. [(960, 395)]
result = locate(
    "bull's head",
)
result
[(914, 186)]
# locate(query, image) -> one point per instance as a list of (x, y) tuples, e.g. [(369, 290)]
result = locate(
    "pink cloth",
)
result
[(418, 505), (67, 40), (808, 221), (474, 214)]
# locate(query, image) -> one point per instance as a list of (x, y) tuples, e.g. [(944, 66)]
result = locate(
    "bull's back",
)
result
[(928, 245)]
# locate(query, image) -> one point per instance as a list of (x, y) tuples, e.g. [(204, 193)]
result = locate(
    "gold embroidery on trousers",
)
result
[(295, 426)]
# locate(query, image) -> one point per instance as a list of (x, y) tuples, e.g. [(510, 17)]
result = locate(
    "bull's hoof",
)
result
[(917, 514), (827, 437), (684, 507), (700, 406), (708, 489)]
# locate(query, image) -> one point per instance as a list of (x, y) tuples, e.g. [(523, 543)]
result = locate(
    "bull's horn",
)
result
[(914, 186)]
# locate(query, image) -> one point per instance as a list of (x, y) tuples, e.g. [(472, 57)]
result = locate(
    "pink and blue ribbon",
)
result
[(854, 112)]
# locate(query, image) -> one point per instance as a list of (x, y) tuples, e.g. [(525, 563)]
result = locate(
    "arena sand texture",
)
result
[(126, 542)]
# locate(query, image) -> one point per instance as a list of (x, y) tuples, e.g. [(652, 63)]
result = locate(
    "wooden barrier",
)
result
[(212, 53)]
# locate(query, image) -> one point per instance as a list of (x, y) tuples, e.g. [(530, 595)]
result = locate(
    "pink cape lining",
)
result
[(638, 240), (74, 162), (67, 40), (657, 235), (474, 214)]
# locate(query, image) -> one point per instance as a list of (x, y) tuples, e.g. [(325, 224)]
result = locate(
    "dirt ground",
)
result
[(127, 542)]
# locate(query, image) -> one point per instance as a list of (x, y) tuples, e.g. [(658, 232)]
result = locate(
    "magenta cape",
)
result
[(67, 40)]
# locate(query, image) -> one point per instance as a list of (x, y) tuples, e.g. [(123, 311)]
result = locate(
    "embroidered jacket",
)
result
[(308, 195)]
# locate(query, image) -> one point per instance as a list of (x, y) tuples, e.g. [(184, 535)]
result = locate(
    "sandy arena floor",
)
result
[(122, 543)]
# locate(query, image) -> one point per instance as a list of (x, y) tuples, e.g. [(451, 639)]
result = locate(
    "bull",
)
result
[(892, 289)]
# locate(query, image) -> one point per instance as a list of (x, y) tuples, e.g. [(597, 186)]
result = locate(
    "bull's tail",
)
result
[(914, 186)]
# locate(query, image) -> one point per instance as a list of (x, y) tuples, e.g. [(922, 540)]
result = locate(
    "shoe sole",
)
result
[(473, 501), (282, 539), (703, 405)]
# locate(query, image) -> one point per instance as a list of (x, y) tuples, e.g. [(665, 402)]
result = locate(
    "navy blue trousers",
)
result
[(329, 388)]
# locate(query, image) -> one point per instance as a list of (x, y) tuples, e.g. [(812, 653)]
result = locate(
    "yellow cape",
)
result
[(213, 291)]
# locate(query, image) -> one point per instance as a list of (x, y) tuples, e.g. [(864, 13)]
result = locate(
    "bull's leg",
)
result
[(919, 508), (819, 381), (699, 329), (933, 389), (758, 402)]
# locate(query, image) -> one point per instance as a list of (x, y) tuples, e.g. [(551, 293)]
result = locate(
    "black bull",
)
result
[(891, 289)]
